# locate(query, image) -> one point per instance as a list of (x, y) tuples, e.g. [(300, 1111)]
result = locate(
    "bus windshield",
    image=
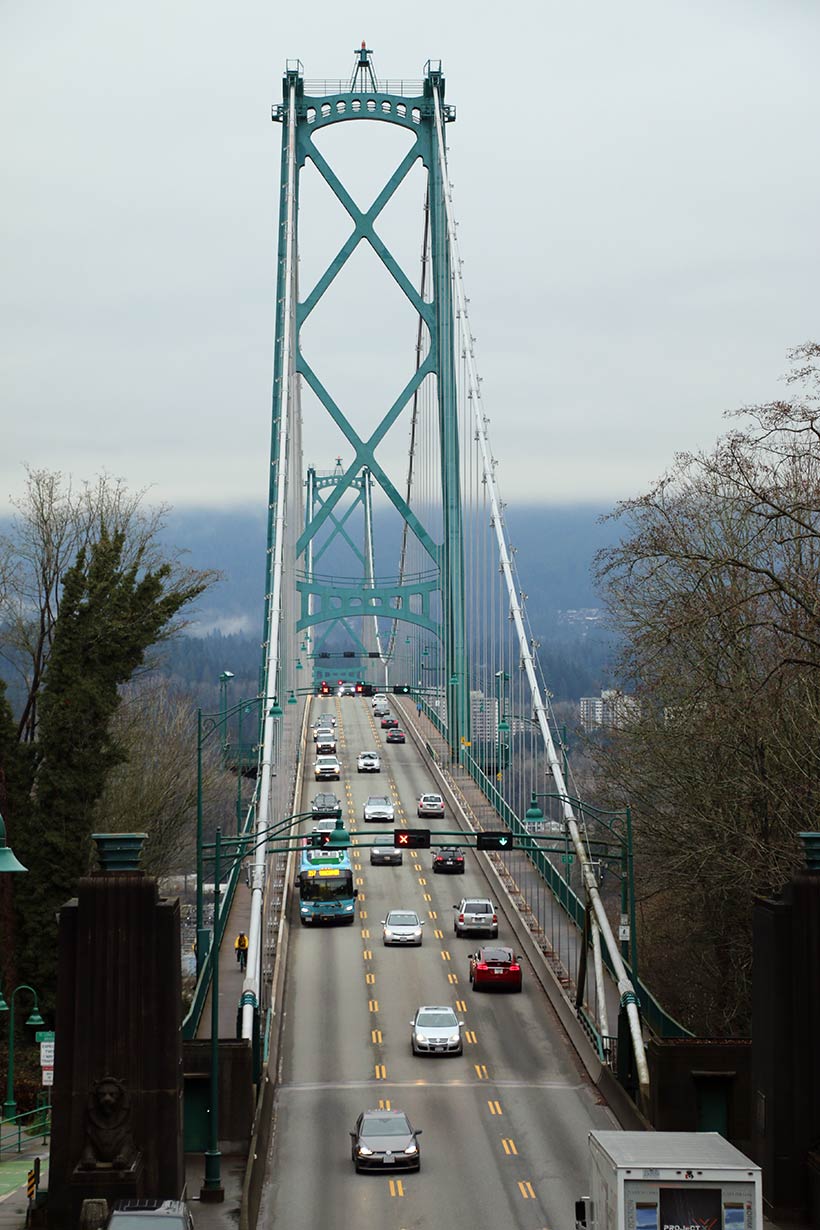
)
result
[(334, 888)]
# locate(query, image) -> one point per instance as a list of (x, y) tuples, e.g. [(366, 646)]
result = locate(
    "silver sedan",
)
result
[(436, 1030), (402, 928)]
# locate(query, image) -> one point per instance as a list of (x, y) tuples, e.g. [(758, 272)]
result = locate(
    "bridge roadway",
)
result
[(503, 1127)]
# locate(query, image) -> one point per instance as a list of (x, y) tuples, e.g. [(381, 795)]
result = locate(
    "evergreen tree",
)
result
[(112, 609), (15, 787)]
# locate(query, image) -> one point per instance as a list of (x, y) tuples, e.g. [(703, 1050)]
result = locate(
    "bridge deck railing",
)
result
[(656, 1018)]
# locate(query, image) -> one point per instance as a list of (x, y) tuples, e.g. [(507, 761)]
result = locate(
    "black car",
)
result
[(326, 805), (385, 1140), (449, 859)]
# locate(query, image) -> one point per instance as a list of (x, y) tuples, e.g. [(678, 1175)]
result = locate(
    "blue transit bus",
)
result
[(325, 883)]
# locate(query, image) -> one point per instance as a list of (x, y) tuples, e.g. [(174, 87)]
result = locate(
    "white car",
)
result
[(325, 742), (368, 762), (402, 927), (379, 807), (327, 767), (379, 698), (431, 805)]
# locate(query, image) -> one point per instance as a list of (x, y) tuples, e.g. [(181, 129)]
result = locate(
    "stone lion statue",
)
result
[(108, 1139)]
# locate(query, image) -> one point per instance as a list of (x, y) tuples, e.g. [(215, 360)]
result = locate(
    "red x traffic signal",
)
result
[(415, 839)]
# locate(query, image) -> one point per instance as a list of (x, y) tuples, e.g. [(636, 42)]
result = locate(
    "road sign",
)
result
[(47, 1054), (494, 841), (48, 1076), (44, 1035)]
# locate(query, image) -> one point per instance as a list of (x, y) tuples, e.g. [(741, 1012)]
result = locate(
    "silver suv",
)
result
[(475, 916)]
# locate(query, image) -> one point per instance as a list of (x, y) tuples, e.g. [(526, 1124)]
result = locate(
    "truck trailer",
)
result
[(669, 1181)]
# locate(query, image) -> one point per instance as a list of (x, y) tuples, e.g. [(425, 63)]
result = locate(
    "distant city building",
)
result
[(611, 710), (592, 712), (483, 716), (580, 615)]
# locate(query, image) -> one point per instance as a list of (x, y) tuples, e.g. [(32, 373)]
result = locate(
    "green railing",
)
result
[(26, 1128), (657, 1019)]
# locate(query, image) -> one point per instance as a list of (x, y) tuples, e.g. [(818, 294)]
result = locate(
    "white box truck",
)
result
[(669, 1181)]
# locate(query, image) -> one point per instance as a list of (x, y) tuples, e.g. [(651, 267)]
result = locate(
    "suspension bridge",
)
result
[(436, 618)]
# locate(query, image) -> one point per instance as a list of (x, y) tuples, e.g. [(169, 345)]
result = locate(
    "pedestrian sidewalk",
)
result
[(14, 1168), (231, 977), (207, 1216)]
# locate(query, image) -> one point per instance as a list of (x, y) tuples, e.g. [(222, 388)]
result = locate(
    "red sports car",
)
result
[(389, 723), (395, 736), (495, 967)]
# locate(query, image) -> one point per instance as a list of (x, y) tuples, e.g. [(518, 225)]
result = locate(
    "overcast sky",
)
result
[(636, 185)]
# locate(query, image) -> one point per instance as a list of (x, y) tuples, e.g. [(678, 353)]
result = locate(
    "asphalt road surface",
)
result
[(504, 1126)]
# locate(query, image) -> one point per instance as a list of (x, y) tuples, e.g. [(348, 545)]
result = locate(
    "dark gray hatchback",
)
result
[(385, 1140)]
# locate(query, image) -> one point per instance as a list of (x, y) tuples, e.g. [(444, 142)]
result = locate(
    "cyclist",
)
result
[(241, 946)]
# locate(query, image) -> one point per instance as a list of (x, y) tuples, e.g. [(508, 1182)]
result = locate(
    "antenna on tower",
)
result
[(364, 77)]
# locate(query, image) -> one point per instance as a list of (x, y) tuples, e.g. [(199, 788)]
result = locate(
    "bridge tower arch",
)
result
[(435, 600)]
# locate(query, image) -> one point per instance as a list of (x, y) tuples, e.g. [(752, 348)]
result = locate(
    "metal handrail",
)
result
[(23, 1128), (405, 89)]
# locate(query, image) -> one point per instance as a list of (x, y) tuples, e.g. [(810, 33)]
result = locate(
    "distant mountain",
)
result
[(554, 551)]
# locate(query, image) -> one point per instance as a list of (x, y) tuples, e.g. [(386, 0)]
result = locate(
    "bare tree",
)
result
[(714, 588), (54, 520), (155, 789)]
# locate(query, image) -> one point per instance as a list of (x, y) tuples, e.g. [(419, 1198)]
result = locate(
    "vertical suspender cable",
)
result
[(625, 988)]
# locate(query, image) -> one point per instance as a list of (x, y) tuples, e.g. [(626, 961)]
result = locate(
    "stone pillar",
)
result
[(117, 1099), (786, 1037)]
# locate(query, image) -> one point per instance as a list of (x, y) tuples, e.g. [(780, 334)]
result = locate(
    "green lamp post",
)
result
[(10, 1106), (7, 860), (212, 1190)]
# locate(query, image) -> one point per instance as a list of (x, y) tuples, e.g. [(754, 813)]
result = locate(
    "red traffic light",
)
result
[(415, 839)]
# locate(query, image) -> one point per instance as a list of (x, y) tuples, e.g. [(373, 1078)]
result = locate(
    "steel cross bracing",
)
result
[(407, 600), (320, 593)]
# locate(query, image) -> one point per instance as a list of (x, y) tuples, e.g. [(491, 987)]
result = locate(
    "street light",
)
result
[(237, 848), (224, 680), (10, 1106), (206, 725), (7, 860)]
